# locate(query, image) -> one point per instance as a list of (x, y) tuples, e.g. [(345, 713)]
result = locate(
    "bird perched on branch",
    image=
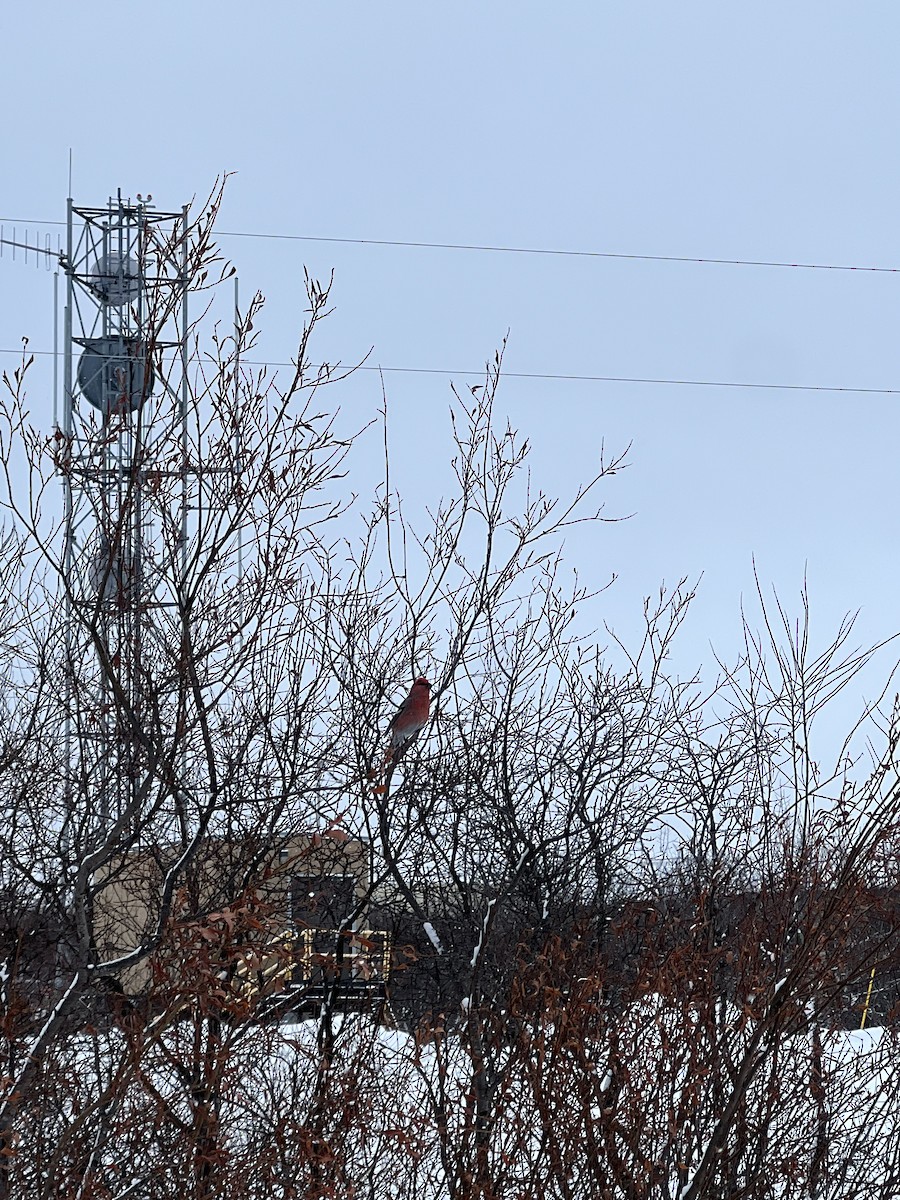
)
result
[(408, 721)]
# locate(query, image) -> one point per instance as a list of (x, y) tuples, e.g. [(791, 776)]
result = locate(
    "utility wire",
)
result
[(563, 378), (538, 250), (671, 258), (547, 375)]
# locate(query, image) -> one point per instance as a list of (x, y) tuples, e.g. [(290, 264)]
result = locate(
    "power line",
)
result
[(570, 378), (536, 250), (670, 258)]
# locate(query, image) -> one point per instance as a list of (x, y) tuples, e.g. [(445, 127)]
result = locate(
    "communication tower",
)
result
[(124, 398)]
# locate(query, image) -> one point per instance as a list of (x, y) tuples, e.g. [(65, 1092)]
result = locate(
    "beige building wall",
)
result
[(127, 904)]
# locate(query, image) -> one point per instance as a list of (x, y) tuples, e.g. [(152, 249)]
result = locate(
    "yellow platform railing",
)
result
[(351, 958)]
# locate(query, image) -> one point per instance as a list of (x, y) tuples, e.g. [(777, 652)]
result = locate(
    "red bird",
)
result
[(409, 720)]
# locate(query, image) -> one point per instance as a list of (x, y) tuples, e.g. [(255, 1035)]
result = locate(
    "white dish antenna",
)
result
[(115, 278)]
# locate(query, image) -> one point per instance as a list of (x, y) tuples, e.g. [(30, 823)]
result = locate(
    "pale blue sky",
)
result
[(696, 129)]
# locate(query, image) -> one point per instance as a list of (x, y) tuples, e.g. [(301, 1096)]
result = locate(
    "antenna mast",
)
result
[(124, 396)]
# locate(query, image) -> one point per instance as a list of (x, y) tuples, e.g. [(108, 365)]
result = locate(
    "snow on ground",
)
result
[(398, 1113)]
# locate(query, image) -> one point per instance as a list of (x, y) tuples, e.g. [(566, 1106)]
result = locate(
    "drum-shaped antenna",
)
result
[(115, 278), (114, 375)]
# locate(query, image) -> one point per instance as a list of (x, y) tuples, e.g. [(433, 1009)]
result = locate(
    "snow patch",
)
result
[(476, 953), (431, 933)]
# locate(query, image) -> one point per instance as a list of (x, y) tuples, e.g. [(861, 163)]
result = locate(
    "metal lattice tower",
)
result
[(124, 396)]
